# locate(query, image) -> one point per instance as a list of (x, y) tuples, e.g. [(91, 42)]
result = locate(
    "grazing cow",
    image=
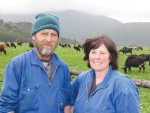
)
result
[(146, 57), (64, 45), (69, 45), (12, 45), (19, 43), (31, 45), (134, 61), (77, 48), (141, 48), (126, 50), (80, 46), (135, 48), (7, 44), (3, 44), (2, 49)]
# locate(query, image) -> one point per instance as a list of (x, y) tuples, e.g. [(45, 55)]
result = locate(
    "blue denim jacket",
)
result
[(115, 94), (27, 89)]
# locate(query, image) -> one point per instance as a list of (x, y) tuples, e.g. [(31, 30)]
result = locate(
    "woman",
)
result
[(103, 89)]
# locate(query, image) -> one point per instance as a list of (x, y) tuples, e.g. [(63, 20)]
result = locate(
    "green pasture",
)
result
[(74, 60)]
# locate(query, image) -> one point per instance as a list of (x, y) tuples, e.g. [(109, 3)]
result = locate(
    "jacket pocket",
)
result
[(29, 98), (63, 97)]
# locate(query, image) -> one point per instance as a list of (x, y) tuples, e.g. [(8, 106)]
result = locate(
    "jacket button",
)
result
[(60, 103)]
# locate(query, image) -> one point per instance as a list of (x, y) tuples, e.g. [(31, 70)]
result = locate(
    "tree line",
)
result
[(20, 32)]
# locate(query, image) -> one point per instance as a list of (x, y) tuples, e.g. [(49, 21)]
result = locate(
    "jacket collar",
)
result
[(36, 61), (105, 81)]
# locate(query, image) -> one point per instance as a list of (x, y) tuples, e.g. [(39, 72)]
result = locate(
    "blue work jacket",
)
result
[(27, 89), (117, 93)]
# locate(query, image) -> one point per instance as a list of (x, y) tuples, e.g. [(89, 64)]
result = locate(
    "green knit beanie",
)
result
[(45, 21)]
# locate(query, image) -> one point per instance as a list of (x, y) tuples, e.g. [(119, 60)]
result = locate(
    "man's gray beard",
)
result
[(46, 52)]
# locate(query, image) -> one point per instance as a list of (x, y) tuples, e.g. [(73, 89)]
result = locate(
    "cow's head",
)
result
[(125, 69), (120, 50)]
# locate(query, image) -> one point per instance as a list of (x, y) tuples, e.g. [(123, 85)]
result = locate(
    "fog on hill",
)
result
[(79, 25)]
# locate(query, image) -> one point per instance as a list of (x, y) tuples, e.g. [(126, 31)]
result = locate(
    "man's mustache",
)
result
[(50, 44)]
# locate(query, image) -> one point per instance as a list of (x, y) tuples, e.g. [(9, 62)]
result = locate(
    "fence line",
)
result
[(138, 82)]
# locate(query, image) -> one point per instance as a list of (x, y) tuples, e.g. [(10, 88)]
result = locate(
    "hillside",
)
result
[(79, 25)]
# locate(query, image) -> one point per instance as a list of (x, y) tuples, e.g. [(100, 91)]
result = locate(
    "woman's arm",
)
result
[(68, 109)]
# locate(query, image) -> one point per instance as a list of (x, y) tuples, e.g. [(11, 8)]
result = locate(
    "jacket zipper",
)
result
[(88, 92), (52, 76)]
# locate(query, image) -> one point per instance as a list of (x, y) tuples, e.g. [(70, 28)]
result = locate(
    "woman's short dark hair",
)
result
[(95, 42)]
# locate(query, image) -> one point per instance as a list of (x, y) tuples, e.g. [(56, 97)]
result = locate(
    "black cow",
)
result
[(69, 45), (7, 44), (2, 49), (64, 45), (12, 45), (77, 48), (31, 45), (140, 48), (126, 50), (19, 43), (134, 61), (146, 57)]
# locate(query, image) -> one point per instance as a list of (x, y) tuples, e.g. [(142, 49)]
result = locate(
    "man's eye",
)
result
[(53, 34), (44, 33)]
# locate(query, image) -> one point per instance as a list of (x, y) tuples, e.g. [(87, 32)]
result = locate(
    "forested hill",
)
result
[(79, 25), (15, 32)]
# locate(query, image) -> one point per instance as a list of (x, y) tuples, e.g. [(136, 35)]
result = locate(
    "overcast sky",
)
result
[(122, 10)]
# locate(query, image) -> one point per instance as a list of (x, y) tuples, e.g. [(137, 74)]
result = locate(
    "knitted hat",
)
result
[(45, 21)]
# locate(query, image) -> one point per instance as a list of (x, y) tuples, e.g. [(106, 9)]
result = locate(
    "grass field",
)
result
[(74, 60)]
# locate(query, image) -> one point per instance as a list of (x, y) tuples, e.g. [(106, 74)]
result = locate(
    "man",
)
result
[(37, 81)]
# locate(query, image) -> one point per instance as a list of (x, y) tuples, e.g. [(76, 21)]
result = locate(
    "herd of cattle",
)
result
[(131, 60), (3, 45), (75, 47), (134, 60), (125, 50)]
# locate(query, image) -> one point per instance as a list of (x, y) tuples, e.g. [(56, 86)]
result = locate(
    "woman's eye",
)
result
[(93, 52), (102, 53)]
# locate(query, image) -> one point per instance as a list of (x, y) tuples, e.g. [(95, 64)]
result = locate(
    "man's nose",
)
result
[(49, 38)]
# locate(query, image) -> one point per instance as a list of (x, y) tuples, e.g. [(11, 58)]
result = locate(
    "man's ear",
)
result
[(33, 37)]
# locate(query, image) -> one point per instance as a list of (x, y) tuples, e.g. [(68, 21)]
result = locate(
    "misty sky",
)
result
[(122, 10)]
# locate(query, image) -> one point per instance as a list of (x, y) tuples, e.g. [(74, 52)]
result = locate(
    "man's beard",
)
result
[(45, 51)]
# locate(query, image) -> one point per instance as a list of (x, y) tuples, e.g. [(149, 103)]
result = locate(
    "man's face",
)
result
[(45, 41)]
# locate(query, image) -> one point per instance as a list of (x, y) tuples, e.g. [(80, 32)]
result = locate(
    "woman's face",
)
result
[(99, 58)]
